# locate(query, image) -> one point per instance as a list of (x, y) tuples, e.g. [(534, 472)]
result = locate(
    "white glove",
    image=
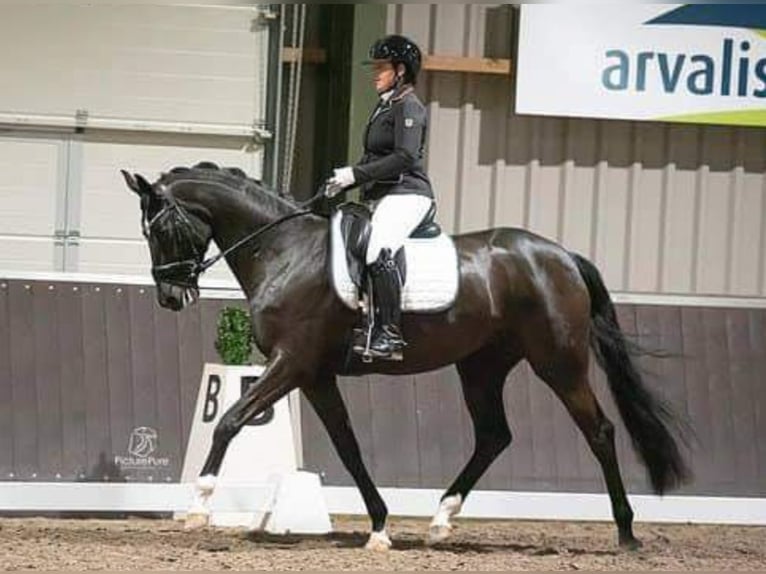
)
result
[(342, 178)]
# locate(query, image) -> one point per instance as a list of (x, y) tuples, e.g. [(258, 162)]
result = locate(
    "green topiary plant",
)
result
[(234, 342)]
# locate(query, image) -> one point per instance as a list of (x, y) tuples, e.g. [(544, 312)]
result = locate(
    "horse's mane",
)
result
[(233, 177)]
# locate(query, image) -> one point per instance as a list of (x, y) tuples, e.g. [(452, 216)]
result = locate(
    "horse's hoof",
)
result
[(630, 543), (439, 533), (378, 542), (196, 520)]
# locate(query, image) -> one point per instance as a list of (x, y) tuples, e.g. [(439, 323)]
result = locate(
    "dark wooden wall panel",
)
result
[(74, 438), (47, 382), (143, 371), (590, 472), (758, 366), (717, 358), (22, 346), (197, 331), (428, 407), (659, 332), (321, 448), (543, 441), (119, 372), (167, 381), (384, 417), (356, 395), (710, 369), (455, 431), (633, 474), (406, 434), (518, 461), (697, 390), (6, 386), (189, 358), (81, 366), (742, 381), (98, 431)]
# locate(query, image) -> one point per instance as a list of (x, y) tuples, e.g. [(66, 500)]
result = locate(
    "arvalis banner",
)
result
[(700, 63)]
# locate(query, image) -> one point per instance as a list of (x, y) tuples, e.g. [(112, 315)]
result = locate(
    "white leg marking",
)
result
[(440, 528), (199, 513), (379, 542)]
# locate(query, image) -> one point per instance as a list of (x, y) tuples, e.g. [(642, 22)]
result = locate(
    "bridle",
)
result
[(185, 273)]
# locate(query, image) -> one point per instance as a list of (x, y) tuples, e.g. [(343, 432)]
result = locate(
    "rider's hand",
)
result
[(342, 178)]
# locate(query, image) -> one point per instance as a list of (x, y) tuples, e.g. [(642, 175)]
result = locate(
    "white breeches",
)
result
[(393, 219)]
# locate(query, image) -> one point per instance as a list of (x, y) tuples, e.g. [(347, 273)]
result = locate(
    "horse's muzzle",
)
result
[(181, 273), (175, 297)]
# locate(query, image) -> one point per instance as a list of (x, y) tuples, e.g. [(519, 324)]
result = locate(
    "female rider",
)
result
[(392, 179)]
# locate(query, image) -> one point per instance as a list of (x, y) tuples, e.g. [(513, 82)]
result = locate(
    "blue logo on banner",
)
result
[(733, 71), (749, 16)]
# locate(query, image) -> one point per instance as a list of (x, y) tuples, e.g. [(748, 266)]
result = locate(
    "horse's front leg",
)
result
[(276, 381), (328, 403)]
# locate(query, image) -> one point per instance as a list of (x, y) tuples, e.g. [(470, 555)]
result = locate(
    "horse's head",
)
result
[(178, 239)]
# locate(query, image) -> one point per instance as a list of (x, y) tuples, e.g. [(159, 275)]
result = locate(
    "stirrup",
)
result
[(364, 348), (395, 354), (392, 343), (360, 342)]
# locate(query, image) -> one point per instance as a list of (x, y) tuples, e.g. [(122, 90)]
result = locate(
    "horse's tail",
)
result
[(646, 417)]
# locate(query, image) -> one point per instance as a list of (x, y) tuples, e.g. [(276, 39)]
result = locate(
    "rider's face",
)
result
[(383, 76)]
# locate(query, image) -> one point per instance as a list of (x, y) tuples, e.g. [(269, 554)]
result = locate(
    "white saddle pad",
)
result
[(432, 272)]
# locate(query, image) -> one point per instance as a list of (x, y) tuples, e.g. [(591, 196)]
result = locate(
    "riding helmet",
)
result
[(398, 50)]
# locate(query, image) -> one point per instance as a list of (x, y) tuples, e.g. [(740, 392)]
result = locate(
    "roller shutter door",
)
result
[(91, 89), (31, 174), (183, 68)]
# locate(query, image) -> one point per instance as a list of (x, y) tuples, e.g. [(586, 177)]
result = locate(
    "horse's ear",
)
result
[(144, 186), (131, 181), (137, 183)]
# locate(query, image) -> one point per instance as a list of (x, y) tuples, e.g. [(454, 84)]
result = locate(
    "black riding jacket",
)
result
[(393, 149)]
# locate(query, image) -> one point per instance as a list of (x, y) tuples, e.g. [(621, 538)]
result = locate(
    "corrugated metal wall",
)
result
[(195, 67), (660, 208), (151, 86)]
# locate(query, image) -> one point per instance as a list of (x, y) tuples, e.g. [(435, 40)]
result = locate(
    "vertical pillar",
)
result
[(369, 25)]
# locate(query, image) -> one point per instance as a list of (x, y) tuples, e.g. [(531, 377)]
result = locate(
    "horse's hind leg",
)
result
[(582, 404), (482, 376), (328, 403)]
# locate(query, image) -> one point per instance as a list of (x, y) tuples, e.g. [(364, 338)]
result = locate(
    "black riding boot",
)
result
[(386, 296)]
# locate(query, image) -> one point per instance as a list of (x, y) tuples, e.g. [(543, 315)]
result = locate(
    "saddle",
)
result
[(427, 262)]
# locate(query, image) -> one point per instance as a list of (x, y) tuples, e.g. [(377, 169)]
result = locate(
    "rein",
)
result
[(205, 265), (186, 272)]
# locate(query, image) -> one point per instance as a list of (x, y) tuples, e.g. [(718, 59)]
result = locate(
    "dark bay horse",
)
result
[(520, 297)]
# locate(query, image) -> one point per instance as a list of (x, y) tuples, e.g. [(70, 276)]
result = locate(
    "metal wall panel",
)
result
[(153, 86), (660, 208), (185, 64), (66, 207), (30, 187), (105, 211), (416, 432)]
